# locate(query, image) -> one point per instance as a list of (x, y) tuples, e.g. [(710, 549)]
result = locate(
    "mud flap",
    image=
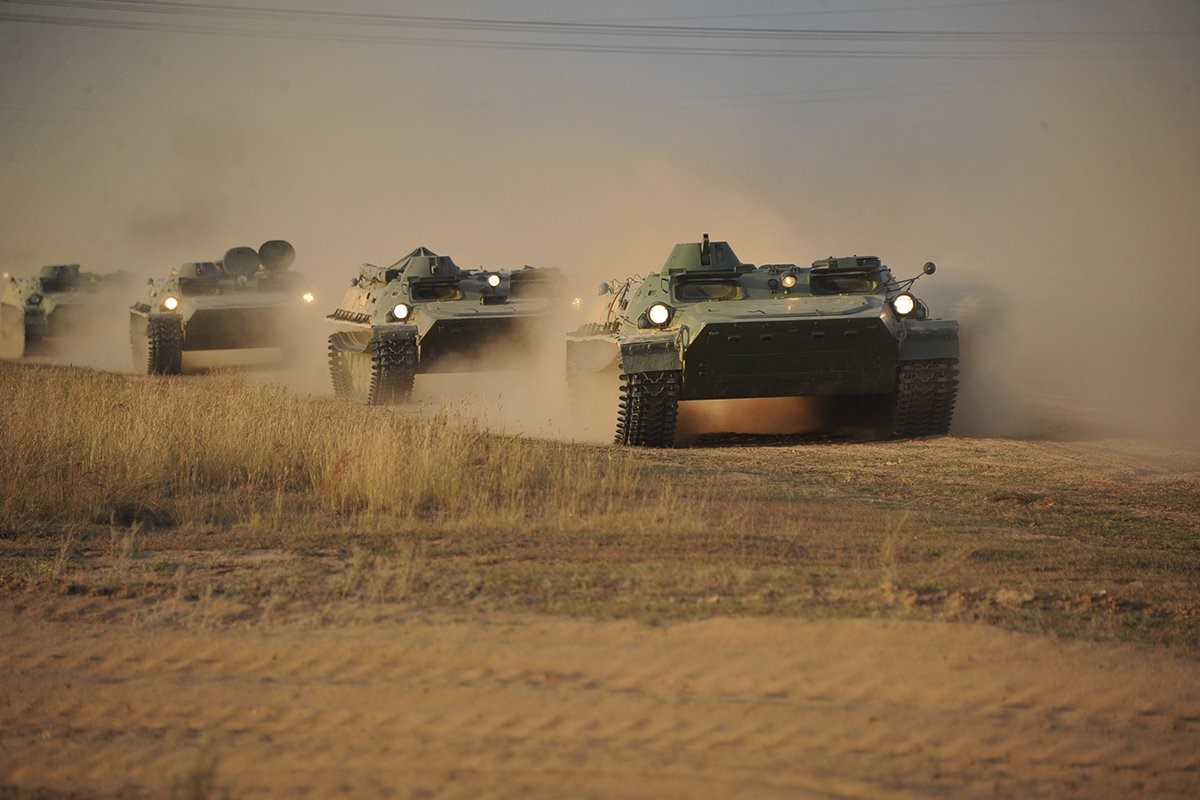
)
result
[(929, 339), (650, 354)]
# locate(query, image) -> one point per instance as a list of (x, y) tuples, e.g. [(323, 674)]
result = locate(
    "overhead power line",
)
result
[(557, 36)]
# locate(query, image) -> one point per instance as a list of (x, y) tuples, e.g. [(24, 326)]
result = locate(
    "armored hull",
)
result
[(707, 327), (248, 300), (424, 314)]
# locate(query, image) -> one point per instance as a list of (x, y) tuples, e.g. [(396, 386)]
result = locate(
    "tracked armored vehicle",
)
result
[(245, 300), (426, 314), (708, 326), (58, 304)]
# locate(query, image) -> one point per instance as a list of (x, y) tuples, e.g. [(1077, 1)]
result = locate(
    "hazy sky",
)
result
[(1043, 153)]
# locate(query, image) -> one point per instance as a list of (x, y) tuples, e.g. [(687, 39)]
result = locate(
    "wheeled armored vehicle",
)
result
[(59, 303), (425, 314), (708, 326), (245, 300)]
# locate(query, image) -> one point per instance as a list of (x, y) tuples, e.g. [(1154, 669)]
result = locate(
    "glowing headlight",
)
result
[(171, 303), (493, 280), (904, 304), (401, 311), (308, 297), (576, 302), (659, 313), (788, 281)]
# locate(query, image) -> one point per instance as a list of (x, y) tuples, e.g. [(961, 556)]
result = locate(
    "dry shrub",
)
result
[(82, 446)]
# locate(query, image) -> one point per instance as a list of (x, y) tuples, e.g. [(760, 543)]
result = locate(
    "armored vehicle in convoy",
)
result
[(246, 300), (708, 326), (426, 314), (58, 304)]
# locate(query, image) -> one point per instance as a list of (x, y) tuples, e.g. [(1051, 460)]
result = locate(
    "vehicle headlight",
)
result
[(170, 303), (659, 314), (788, 280), (308, 297), (493, 280), (35, 299), (401, 311), (904, 304)]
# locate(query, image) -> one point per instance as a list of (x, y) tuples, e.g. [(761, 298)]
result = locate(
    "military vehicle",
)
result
[(59, 303), (242, 301), (426, 314), (708, 326)]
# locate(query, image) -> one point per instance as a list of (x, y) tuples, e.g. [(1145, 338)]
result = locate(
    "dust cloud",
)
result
[(95, 343), (1057, 192), (769, 415)]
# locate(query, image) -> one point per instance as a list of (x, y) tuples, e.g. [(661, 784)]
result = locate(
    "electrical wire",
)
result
[(339, 26)]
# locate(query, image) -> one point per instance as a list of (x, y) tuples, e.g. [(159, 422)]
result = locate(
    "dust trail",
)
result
[(100, 339), (772, 415), (516, 386)]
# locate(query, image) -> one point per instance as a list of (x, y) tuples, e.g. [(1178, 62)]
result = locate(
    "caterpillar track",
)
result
[(648, 408), (381, 372), (161, 349), (925, 396)]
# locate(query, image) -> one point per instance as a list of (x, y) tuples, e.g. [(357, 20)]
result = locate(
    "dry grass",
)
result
[(195, 454), (210, 501)]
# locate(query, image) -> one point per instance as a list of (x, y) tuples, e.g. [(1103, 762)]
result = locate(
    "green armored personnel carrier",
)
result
[(245, 300), (708, 326), (426, 314), (58, 304)]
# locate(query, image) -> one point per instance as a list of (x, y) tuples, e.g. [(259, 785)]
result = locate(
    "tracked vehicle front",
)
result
[(425, 314), (249, 300), (61, 305), (708, 326)]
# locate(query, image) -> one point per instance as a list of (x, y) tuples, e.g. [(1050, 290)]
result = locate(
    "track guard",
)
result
[(650, 354), (929, 339)]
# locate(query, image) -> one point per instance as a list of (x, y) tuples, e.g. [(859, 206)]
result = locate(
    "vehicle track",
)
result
[(501, 706)]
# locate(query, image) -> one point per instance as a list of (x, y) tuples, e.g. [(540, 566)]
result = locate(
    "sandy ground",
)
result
[(419, 704)]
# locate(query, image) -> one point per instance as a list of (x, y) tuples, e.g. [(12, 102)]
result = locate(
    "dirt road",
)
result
[(421, 704)]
